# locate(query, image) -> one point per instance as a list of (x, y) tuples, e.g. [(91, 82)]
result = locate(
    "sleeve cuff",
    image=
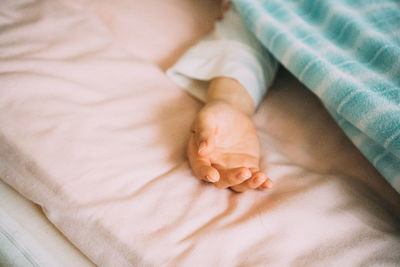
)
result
[(229, 58)]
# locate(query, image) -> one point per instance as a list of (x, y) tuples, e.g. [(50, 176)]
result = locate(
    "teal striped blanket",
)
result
[(348, 53)]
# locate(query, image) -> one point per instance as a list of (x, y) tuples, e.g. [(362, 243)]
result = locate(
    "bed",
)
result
[(93, 136)]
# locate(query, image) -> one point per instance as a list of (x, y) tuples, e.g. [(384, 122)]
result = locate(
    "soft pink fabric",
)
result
[(93, 131)]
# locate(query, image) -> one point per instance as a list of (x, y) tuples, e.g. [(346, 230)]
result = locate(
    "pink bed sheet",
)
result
[(93, 131)]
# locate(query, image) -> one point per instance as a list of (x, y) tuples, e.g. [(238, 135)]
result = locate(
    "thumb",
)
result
[(204, 133)]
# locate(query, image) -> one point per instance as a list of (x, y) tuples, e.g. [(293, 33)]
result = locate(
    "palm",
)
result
[(230, 153), (236, 141)]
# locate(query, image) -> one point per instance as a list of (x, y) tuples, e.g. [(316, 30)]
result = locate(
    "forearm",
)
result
[(230, 91)]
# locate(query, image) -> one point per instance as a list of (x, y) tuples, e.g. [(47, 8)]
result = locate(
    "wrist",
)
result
[(229, 91), (226, 105)]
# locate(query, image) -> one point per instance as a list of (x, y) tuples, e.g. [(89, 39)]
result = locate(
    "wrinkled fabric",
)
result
[(93, 131)]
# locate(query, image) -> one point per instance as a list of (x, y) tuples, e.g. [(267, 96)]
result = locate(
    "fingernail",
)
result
[(245, 176), (211, 179), (270, 184), (202, 146), (259, 180)]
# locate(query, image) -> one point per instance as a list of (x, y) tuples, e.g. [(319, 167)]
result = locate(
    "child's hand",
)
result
[(224, 149)]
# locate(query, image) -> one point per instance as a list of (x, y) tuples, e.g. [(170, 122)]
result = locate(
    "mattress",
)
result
[(93, 132), (27, 238)]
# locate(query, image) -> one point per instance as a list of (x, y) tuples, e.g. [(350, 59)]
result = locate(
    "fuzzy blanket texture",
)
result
[(348, 54)]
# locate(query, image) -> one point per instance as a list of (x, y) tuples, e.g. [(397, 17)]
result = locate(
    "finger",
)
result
[(203, 170), (201, 166), (235, 159), (268, 184), (204, 133), (256, 180), (231, 177)]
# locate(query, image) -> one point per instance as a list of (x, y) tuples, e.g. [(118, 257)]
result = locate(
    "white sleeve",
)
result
[(230, 50)]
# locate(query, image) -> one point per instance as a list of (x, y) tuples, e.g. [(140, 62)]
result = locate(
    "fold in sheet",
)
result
[(93, 131)]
